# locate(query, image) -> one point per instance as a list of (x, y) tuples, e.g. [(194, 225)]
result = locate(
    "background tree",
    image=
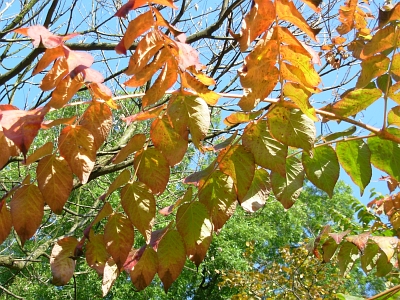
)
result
[(261, 48)]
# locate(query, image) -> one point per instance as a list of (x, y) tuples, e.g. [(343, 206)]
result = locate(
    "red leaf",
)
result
[(5, 221), (91, 75), (61, 262), (22, 126), (132, 4), (78, 60), (27, 210)]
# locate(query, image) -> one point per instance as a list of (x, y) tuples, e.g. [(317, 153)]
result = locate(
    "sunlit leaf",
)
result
[(63, 121), (5, 221), (383, 265), (202, 91), (96, 253), (110, 274), (121, 180), (258, 192), (240, 117), (62, 262), (299, 95), (133, 4), (382, 40), (387, 244), (186, 198), (135, 144), (65, 90), (372, 67), (359, 240), (44, 150), (146, 268), (48, 57), (55, 75)]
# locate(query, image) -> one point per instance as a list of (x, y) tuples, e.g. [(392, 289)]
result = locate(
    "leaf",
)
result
[(186, 198), (144, 271), (164, 81), (387, 244), (97, 118), (382, 40), (135, 144), (188, 57), (195, 227), (268, 152), (313, 4), (105, 211), (63, 121), (384, 156), (96, 253), (291, 127), (77, 61), (238, 163), (394, 92), (4, 145), (240, 117), (100, 91), (341, 296), (140, 206), (287, 11), (348, 253), (359, 240), (329, 248), (395, 67), (145, 115), (372, 67), (210, 97), (121, 180), (152, 169), (171, 144), (368, 259), (22, 126), (27, 210), (287, 189), (44, 150), (336, 135), (354, 101), (197, 176), (322, 168), (55, 75), (110, 274), (258, 20), (218, 195), (118, 237), (258, 192), (55, 181), (171, 258), (133, 4), (76, 145), (49, 56), (40, 34), (354, 156), (394, 116), (5, 221), (65, 90), (61, 260), (383, 265), (300, 95)]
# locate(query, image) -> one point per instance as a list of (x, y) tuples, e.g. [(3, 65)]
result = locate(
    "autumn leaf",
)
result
[(240, 117), (65, 90), (258, 191), (5, 221), (4, 145), (55, 181), (372, 67), (145, 269), (186, 198), (118, 237), (347, 255), (40, 34), (368, 258), (145, 115), (135, 144), (104, 212), (110, 274), (202, 91), (121, 180), (55, 75), (27, 210), (300, 95), (133, 4), (44, 150), (62, 262), (96, 253), (63, 121), (48, 57)]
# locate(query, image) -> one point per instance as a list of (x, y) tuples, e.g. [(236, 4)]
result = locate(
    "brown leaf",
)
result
[(145, 269), (5, 221), (61, 260), (96, 253), (135, 144), (44, 150)]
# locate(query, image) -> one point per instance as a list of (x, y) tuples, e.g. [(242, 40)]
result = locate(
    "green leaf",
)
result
[(337, 135), (348, 253), (258, 191), (341, 296), (329, 249), (372, 67), (195, 227), (367, 259), (140, 206), (287, 189), (217, 193), (267, 151), (292, 127), (393, 117), (385, 155), (241, 117), (96, 253), (300, 95), (354, 156), (322, 168), (383, 265), (238, 163)]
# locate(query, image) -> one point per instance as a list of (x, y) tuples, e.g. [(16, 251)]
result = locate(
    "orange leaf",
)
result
[(207, 95), (286, 10), (5, 221), (136, 28), (118, 237), (132, 4), (76, 145), (382, 40), (55, 181), (145, 115), (96, 253), (47, 58), (22, 126), (164, 81), (105, 211), (258, 20), (121, 180), (61, 262), (145, 269), (98, 120), (5, 149), (172, 145), (200, 76), (78, 60), (46, 149), (135, 144), (100, 91), (313, 4), (110, 274), (55, 75), (27, 210), (171, 258), (64, 121), (240, 117), (152, 169)]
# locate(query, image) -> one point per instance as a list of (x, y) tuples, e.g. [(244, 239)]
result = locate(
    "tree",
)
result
[(268, 147)]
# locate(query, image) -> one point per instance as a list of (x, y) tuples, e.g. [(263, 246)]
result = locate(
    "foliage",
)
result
[(274, 148)]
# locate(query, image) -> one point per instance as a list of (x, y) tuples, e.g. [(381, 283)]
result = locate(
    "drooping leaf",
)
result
[(96, 253), (336, 135), (393, 116), (188, 57), (197, 176), (347, 255), (372, 67), (55, 181), (383, 265), (186, 198), (4, 145), (238, 163), (240, 117), (300, 95), (354, 156), (152, 169), (65, 90), (360, 240), (77, 61), (27, 210), (217, 193), (198, 118), (145, 115), (258, 192), (48, 57), (287, 189), (329, 248), (387, 244), (394, 92), (144, 271), (172, 145), (135, 144), (133, 4), (55, 75), (110, 274), (322, 168), (140, 206), (195, 227), (267, 151), (44, 150), (76, 145), (104, 212), (97, 118), (51, 123), (118, 237), (171, 258), (202, 90), (382, 40), (368, 260), (61, 260), (121, 180), (5, 221), (40, 34), (291, 127)]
